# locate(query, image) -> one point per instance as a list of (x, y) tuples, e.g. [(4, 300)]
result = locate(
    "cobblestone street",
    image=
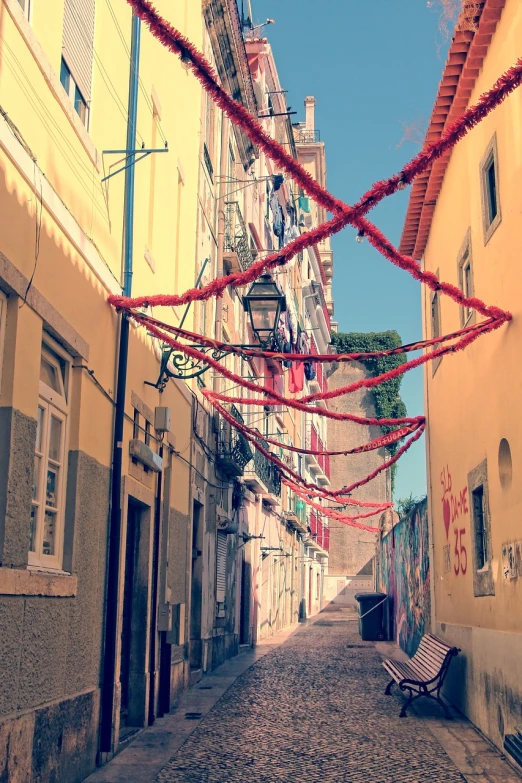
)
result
[(313, 709)]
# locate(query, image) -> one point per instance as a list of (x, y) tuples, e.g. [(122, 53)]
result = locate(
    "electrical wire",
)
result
[(17, 134), (52, 128), (140, 82), (190, 464), (38, 230), (174, 451)]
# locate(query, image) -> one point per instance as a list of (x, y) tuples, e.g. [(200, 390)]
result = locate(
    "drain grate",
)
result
[(193, 715), (205, 688)]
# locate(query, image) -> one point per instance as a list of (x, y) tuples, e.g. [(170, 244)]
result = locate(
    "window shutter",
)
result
[(221, 567), (78, 42)]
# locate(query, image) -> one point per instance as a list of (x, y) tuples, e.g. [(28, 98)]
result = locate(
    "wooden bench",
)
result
[(424, 674)]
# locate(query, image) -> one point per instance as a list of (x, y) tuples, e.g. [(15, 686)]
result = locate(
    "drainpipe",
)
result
[(223, 166), (113, 570), (154, 599)]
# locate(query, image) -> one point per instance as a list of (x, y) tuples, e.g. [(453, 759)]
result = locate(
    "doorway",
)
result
[(244, 618), (310, 588), (135, 641), (133, 524), (196, 587)]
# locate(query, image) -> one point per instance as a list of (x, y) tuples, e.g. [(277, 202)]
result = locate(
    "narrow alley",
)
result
[(311, 709)]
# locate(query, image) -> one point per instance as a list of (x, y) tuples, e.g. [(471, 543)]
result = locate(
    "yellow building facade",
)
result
[(134, 552), (463, 224), (64, 91)]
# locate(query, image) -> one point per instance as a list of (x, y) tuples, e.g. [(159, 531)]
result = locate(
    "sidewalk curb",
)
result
[(162, 740)]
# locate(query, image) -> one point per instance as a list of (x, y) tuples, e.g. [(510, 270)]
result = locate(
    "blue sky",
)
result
[(373, 67)]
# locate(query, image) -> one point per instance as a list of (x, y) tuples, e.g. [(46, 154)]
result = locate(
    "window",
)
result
[(78, 52), (465, 270), (73, 91), (481, 535), (136, 425), (436, 330), (210, 133), (50, 462), (435, 316), (142, 432), (221, 566), (26, 7), (489, 189), (231, 170), (482, 549)]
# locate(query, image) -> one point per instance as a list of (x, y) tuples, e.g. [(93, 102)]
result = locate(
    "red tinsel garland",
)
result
[(253, 438), (344, 215), (467, 335), (285, 470), (277, 399), (332, 514), (179, 44), (260, 353)]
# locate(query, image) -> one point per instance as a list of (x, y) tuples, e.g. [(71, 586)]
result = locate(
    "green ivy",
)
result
[(387, 399)]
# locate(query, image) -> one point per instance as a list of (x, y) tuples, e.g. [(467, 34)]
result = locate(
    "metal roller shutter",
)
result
[(221, 567), (78, 42)]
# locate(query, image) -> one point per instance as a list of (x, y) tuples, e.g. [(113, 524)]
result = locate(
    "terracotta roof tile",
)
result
[(465, 59)]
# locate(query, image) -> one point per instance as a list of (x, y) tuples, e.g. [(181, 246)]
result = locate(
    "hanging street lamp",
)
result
[(264, 304)]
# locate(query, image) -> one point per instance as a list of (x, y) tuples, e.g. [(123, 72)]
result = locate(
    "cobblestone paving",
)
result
[(312, 710)]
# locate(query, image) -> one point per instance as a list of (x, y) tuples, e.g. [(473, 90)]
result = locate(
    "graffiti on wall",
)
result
[(512, 560), (403, 573), (454, 513)]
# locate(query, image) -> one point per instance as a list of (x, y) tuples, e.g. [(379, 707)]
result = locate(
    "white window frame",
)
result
[(465, 261), (490, 159), (53, 404), (71, 94)]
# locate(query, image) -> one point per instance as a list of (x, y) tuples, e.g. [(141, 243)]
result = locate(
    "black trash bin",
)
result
[(371, 616)]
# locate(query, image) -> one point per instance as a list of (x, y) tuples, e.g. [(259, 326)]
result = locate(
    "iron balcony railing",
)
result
[(304, 136), (266, 471), (236, 236), (233, 451)]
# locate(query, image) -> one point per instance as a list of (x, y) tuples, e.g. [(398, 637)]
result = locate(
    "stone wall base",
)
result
[(218, 649), (485, 679), (57, 742)]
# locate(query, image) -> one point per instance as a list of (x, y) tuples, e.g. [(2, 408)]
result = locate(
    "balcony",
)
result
[(237, 253), (304, 136), (233, 450), (318, 464), (319, 532), (312, 443), (323, 476), (319, 383), (263, 476), (296, 515)]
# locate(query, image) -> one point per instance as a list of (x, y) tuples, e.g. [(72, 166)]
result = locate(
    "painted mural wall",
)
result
[(403, 573)]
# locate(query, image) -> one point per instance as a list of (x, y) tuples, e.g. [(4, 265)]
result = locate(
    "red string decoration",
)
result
[(270, 394), (180, 45), (411, 427), (467, 335)]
